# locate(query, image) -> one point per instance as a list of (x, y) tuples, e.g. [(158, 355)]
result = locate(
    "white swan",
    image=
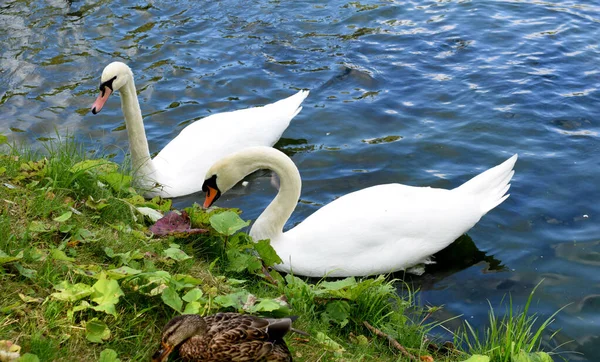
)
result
[(376, 230), (176, 169)]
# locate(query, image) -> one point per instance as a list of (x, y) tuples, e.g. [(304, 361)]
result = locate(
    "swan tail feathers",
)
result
[(290, 105), (491, 186)]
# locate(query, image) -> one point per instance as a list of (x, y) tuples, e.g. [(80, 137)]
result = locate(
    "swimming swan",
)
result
[(177, 169), (380, 229)]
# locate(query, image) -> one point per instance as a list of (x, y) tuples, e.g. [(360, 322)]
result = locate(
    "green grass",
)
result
[(81, 274), (505, 336)]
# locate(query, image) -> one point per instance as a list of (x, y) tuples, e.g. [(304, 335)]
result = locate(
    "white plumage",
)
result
[(376, 230), (179, 168)]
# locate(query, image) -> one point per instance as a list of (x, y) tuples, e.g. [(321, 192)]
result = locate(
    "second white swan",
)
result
[(377, 230), (176, 169)]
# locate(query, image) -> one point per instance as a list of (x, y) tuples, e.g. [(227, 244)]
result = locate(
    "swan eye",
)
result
[(210, 182), (108, 83)]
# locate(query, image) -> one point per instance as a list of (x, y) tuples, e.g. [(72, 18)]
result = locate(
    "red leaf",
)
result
[(175, 223)]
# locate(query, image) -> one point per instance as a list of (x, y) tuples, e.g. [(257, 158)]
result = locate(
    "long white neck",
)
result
[(140, 154), (269, 224)]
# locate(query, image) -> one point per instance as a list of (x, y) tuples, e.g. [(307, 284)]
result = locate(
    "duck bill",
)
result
[(211, 197), (102, 98), (162, 354)]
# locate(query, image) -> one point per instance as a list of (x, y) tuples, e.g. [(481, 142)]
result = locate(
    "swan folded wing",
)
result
[(182, 164), (380, 229)]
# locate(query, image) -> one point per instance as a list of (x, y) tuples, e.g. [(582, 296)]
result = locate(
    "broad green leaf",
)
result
[(84, 234), (267, 253), (2, 169), (477, 358), (339, 284), (27, 273), (192, 295), (106, 294), (5, 258), (184, 281), (152, 214), (95, 204), (57, 254), (40, 227), (99, 166), (192, 308), (234, 300), (71, 292), (3, 139), (266, 305), (172, 299), (122, 272), (523, 356), (64, 217), (329, 343), (29, 357), (108, 355), (65, 228), (227, 223), (176, 254), (28, 299), (96, 331), (117, 181), (338, 311), (239, 261)]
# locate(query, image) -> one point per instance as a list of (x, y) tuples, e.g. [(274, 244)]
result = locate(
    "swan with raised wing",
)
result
[(376, 230), (182, 163)]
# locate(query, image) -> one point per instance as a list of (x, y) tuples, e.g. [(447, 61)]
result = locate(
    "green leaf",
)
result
[(267, 253), (2, 170), (96, 331), (5, 258), (71, 292), (193, 295), (27, 273), (239, 261), (329, 343), (106, 294), (57, 254), (227, 223), (338, 311), (3, 139), (339, 284), (108, 355), (28, 357), (95, 204), (172, 299), (266, 305), (192, 308), (122, 272), (234, 300), (64, 217), (99, 166), (40, 227), (477, 358), (176, 254), (523, 356)]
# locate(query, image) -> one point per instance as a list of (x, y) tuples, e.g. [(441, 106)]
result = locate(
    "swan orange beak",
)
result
[(211, 195), (162, 354), (102, 98)]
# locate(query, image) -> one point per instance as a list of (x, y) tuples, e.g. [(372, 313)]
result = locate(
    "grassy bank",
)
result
[(82, 277)]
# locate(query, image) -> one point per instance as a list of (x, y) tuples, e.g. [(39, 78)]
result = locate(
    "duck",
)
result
[(176, 170), (224, 337), (377, 230)]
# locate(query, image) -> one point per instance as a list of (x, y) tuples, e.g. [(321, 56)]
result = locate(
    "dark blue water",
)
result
[(446, 89)]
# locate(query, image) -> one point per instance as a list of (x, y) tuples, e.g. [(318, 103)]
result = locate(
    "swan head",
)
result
[(114, 76), (221, 177), (228, 171)]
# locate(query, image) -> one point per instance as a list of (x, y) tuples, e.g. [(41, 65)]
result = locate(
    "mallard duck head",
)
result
[(177, 331)]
